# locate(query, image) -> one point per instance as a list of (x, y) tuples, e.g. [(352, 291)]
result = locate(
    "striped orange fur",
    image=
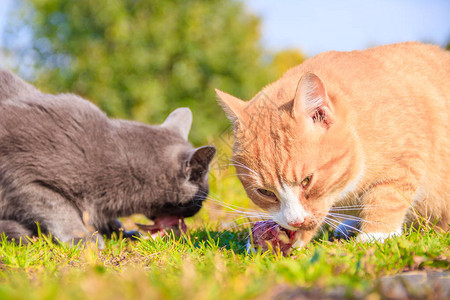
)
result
[(367, 127)]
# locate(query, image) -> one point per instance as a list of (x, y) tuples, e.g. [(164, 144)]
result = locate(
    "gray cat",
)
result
[(62, 158)]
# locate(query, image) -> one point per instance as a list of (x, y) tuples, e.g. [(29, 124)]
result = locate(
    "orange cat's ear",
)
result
[(231, 105), (311, 99)]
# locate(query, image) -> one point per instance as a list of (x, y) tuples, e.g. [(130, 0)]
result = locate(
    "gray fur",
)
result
[(181, 115), (62, 158)]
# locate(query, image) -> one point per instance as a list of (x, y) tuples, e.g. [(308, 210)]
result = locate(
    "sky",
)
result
[(5, 7), (314, 26)]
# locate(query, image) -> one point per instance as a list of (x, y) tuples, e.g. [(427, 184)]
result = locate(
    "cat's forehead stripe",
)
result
[(289, 173), (332, 162)]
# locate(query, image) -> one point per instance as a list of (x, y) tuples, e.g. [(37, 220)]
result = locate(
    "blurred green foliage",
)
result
[(284, 60), (140, 59)]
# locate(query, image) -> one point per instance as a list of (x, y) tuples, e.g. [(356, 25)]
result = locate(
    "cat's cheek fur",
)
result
[(352, 185)]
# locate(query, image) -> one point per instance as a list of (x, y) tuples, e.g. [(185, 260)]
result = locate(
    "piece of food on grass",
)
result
[(269, 235), (163, 225)]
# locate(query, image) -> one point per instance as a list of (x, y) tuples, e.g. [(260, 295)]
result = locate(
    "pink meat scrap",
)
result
[(269, 235), (163, 225)]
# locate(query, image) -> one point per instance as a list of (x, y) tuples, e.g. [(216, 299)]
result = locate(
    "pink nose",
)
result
[(296, 223)]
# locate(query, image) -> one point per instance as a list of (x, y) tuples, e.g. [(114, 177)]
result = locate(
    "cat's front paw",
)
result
[(95, 239), (132, 234), (376, 236)]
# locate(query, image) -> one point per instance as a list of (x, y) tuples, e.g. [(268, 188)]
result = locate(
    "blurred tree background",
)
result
[(140, 59), (284, 60)]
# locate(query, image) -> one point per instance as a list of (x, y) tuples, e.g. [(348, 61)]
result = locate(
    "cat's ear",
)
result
[(311, 99), (180, 120), (198, 162), (232, 106)]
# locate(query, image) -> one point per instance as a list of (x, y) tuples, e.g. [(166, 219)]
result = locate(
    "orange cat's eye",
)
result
[(266, 193), (306, 181)]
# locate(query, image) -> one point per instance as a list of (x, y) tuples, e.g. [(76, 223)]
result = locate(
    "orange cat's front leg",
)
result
[(384, 212)]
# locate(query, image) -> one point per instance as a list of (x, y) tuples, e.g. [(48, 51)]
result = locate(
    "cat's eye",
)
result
[(306, 181), (266, 193)]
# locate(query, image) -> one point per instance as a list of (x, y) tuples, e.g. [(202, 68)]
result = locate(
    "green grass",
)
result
[(210, 262)]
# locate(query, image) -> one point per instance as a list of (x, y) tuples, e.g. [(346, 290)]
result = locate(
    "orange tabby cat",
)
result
[(370, 126)]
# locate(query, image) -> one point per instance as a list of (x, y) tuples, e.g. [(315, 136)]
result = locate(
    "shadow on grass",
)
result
[(235, 240)]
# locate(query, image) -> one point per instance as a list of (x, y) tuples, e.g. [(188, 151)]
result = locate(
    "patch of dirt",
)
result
[(416, 285), (421, 285)]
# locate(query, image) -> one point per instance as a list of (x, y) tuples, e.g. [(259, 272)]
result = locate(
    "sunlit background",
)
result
[(141, 59), (318, 26), (315, 26)]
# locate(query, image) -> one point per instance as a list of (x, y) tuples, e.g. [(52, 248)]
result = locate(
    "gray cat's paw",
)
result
[(95, 239), (98, 239), (14, 231), (132, 234)]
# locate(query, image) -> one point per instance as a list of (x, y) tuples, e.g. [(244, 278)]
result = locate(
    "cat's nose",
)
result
[(296, 223)]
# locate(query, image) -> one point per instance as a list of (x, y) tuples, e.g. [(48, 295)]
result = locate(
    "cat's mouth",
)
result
[(163, 225), (268, 234)]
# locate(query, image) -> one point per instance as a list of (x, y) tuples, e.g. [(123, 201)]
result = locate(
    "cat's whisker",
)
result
[(351, 218), (327, 221), (240, 213), (260, 225), (253, 185), (352, 209), (267, 230), (243, 174), (317, 221), (245, 217), (343, 224), (225, 165), (231, 213), (246, 213), (354, 206), (236, 208), (239, 174), (335, 228), (344, 216), (239, 164), (246, 223)]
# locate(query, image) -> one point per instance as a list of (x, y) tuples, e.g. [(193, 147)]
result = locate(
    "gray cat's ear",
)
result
[(232, 106), (311, 99), (197, 164), (180, 120)]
